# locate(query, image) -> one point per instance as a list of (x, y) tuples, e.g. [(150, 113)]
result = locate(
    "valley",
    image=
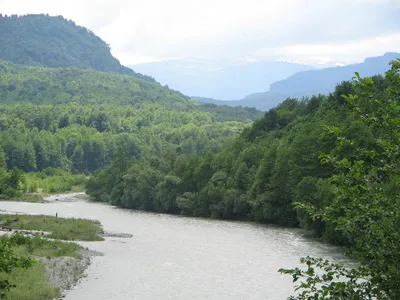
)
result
[(172, 196)]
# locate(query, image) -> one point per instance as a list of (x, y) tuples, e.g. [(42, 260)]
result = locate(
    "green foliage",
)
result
[(33, 282), (77, 126), (30, 284), (325, 280), (30, 198), (253, 178), (365, 208), (15, 183), (55, 42), (38, 246), (10, 261)]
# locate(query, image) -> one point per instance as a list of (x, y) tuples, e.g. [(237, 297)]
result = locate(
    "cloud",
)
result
[(91, 14), (349, 52), (228, 29)]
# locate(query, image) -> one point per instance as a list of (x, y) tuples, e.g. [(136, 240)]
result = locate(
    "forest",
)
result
[(76, 121)]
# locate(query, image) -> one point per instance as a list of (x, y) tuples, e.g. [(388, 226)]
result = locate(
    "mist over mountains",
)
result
[(224, 80), (308, 83)]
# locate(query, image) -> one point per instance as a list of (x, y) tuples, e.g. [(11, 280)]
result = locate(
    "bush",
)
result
[(13, 193)]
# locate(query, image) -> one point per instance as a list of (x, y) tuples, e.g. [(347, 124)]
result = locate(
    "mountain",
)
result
[(223, 80), (312, 82), (37, 85), (261, 101), (79, 120), (215, 101), (55, 42), (323, 81)]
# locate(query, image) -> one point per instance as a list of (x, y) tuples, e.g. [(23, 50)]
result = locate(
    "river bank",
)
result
[(45, 197), (60, 264)]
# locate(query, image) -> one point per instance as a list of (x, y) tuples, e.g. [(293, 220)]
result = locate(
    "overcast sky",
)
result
[(309, 31)]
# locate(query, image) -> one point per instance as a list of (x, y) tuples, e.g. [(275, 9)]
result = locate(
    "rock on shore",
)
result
[(65, 272)]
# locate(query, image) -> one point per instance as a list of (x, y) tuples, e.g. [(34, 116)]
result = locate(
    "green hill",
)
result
[(41, 40), (78, 120), (37, 85), (19, 83)]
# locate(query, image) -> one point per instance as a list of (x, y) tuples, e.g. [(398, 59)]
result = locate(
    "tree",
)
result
[(77, 159), (3, 158), (15, 179), (8, 262), (366, 203)]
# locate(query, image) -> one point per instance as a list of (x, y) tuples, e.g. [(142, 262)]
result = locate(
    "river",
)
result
[(173, 257)]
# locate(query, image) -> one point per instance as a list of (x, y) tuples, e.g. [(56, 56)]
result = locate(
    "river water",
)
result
[(173, 257)]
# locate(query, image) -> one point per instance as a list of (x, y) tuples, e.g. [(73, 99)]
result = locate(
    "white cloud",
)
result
[(323, 53), (231, 29)]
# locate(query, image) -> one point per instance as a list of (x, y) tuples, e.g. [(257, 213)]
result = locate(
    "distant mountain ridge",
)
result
[(55, 42), (218, 79), (308, 83), (325, 80)]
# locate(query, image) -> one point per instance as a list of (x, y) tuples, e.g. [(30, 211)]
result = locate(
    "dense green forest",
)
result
[(257, 177), (55, 42), (326, 163), (77, 120)]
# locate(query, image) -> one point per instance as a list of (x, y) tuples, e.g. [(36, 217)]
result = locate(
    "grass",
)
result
[(63, 229), (30, 284), (38, 246), (31, 198), (24, 198), (77, 188), (33, 283)]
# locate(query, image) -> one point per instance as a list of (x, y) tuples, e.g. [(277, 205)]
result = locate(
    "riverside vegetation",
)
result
[(29, 261), (59, 228), (327, 163)]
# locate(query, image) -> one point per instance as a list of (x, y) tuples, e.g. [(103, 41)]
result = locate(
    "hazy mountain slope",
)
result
[(260, 101), (41, 40), (325, 80), (218, 79), (309, 83)]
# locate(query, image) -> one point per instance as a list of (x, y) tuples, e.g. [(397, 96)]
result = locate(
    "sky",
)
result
[(306, 31)]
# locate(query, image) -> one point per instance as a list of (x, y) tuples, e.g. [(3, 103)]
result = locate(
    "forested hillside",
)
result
[(24, 84), (79, 120), (55, 42)]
